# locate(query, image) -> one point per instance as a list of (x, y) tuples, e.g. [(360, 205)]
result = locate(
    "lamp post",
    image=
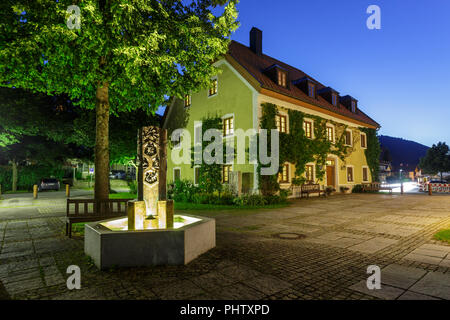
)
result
[(401, 182)]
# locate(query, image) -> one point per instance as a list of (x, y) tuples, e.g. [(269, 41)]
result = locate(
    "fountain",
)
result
[(151, 234)]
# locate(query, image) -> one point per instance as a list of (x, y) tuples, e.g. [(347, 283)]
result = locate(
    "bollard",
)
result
[(430, 192), (35, 191), (67, 190), (401, 188), (0, 189)]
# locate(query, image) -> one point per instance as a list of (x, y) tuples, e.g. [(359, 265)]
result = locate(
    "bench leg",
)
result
[(70, 230), (67, 228)]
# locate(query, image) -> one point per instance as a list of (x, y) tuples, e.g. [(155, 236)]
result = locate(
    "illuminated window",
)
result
[(176, 175), (353, 106), (187, 100), (330, 134), (283, 176), (281, 78), (228, 128), (309, 173), (349, 174), (307, 127), (363, 141), (348, 137), (365, 174), (280, 122), (196, 175), (213, 87), (311, 90), (334, 99), (226, 169)]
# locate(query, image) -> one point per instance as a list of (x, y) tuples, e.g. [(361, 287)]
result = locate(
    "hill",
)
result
[(402, 151)]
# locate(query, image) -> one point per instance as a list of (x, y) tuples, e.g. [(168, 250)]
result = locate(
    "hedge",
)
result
[(28, 176)]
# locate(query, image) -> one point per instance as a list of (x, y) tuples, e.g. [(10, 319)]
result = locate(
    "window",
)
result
[(280, 121), (309, 173), (226, 169), (196, 175), (363, 140), (348, 137), (334, 99), (177, 140), (349, 174), (307, 127), (176, 174), (282, 78), (311, 90), (353, 106), (213, 87), (330, 134), (187, 101), (365, 174), (283, 176), (228, 128)]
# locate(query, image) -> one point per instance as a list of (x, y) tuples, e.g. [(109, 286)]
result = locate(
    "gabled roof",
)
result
[(255, 65)]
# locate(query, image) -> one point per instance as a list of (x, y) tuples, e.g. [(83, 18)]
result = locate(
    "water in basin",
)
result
[(122, 223)]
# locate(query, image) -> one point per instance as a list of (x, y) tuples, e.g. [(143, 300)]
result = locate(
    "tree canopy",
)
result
[(437, 159), (125, 55)]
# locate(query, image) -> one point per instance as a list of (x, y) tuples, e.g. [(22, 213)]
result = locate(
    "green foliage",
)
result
[(132, 184), (357, 188), (372, 152), (443, 235), (436, 160), (297, 149), (29, 176)]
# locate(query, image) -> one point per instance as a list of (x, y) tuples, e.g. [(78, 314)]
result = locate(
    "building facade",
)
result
[(248, 80)]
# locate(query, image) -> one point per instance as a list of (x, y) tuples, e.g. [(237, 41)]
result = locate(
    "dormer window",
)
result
[(311, 88), (353, 106), (334, 99), (187, 101), (282, 78)]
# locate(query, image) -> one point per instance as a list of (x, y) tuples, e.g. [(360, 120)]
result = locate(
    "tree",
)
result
[(437, 159), (125, 56)]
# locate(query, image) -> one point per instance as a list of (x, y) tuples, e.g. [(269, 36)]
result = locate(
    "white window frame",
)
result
[(353, 173), (195, 167), (329, 125), (227, 116), (285, 114), (173, 172), (365, 138), (313, 170), (362, 174), (312, 127), (180, 141), (215, 94), (351, 138)]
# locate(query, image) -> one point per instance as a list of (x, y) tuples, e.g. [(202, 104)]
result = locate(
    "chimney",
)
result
[(256, 41)]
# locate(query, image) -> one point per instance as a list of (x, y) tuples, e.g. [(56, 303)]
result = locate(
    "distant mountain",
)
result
[(402, 151)]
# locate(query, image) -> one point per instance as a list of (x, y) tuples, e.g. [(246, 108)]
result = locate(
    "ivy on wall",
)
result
[(299, 150), (372, 152)]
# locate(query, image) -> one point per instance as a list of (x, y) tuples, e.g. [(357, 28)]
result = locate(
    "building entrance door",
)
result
[(331, 173)]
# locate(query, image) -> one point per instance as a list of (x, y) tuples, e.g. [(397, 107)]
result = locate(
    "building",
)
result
[(249, 79)]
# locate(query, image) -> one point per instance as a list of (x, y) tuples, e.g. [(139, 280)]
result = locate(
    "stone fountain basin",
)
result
[(148, 247)]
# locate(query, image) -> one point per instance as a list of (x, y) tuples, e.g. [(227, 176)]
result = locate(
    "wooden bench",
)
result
[(88, 210), (310, 188), (375, 186)]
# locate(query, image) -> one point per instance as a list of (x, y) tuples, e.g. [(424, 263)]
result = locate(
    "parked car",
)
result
[(48, 184), (117, 174)]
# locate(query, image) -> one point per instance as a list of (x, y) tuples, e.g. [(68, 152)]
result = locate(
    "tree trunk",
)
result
[(101, 187), (14, 175)]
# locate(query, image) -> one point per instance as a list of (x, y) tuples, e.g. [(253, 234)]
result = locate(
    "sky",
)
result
[(400, 74)]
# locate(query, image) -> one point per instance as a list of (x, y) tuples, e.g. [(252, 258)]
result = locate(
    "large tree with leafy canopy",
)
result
[(437, 159), (127, 55)]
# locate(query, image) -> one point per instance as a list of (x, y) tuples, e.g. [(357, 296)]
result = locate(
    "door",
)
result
[(330, 176)]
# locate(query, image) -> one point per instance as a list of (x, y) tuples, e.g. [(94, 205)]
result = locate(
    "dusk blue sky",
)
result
[(399, 74)]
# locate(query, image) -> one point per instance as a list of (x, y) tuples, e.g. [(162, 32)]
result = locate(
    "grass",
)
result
[(195, 206), (78, 228), (443, 235), (122, 195)]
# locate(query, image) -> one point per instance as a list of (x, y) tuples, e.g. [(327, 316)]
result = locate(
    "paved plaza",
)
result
[(318, 248)]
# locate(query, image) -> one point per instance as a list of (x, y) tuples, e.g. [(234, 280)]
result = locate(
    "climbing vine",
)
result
[(372, 152), (299, 150)]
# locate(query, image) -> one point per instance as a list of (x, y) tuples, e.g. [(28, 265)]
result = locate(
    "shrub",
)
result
[(182, 191), (357, 188), (132, 184), (27, 176)]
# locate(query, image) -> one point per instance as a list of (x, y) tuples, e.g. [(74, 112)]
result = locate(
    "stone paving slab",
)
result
[(400, 276), (386, 292), (431, 254), (435, 284), (408, 295)]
